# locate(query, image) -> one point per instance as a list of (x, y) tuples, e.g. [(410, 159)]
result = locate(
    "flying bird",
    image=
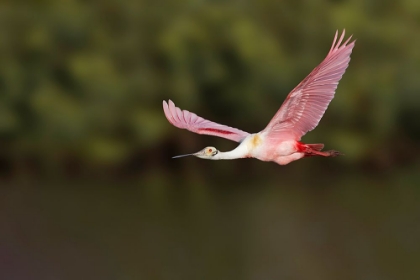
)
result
[(300, 112)]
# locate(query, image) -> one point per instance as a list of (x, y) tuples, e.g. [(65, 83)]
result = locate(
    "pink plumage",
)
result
[(306, 103), (300, 112), (190, 121)]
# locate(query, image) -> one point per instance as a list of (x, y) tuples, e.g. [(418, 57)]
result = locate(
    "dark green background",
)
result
[(88, 189)]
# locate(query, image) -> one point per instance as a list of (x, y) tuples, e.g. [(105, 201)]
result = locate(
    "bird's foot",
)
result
[(333, 153)]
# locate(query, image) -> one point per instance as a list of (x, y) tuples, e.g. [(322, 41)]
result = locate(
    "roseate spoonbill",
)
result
[(280, 140)]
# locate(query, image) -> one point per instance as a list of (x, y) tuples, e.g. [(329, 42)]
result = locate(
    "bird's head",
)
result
[(206, 153)]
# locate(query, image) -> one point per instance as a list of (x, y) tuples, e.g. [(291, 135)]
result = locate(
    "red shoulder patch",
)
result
[(216, 130)]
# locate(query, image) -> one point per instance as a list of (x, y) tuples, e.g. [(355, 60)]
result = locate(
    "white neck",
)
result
[(239, 152)]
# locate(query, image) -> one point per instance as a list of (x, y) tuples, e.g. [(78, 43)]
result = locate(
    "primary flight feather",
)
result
[(300, 112)]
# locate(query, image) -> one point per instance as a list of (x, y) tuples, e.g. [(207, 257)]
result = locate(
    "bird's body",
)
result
[(283, 152), (280, 140)]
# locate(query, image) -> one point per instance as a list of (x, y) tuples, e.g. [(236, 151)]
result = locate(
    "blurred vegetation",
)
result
[(85, 158), (82, 83)]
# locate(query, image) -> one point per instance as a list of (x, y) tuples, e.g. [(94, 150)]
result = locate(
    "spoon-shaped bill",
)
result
[(183, 155)]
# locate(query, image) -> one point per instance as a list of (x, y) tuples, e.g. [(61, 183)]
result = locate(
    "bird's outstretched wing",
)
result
[(305, 105), (190, 121)]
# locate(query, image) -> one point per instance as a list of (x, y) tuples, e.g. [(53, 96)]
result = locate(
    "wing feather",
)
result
[(187, 120), (306, 103)]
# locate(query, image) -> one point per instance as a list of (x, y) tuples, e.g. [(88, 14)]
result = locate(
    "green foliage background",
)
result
[(88, 186)]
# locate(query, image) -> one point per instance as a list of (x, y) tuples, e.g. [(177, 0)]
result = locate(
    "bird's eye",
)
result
[(210, 150)]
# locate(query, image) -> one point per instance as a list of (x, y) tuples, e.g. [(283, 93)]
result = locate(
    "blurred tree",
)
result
[(83, 82)]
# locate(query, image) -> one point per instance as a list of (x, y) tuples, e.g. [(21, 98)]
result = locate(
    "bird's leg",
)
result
[(330, 153), (315, 150), (334, 153)]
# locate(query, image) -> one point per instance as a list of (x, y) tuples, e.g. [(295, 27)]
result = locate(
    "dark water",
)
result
[(354, 228)]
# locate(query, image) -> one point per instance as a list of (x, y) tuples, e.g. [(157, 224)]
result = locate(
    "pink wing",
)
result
[(190, 121), (305, 105)]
